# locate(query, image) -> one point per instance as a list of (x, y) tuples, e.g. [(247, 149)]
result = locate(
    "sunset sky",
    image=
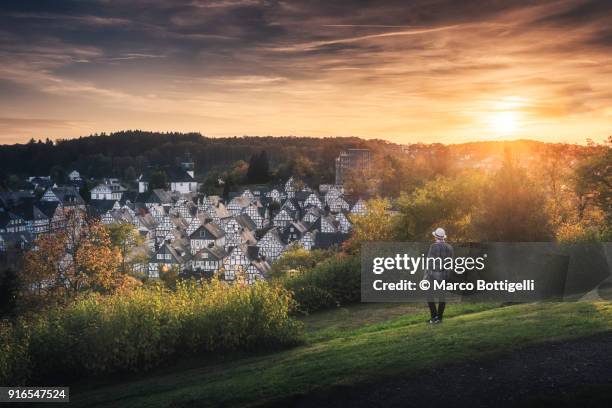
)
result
[(406, 71)]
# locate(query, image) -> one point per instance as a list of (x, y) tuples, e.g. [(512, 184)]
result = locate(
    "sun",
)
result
[(504, 122), (504, 117)]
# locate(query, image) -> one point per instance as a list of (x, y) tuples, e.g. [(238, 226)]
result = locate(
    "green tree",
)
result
[(442, 202), (158, 179), (85, 191), (378, 224), (130, 175), (14, 182), (594, 184), (259, 168), (298, 259), (513, 208), (129, 242), (58, 175), (9, 289)]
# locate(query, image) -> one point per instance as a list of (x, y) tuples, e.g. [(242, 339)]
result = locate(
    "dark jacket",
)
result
[(441, 251)]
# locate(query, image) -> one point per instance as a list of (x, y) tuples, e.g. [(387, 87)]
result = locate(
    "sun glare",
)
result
[(505, 114), (504, 122)]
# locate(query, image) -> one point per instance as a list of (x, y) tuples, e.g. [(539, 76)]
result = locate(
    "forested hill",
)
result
[(117, 154), (110, 155)]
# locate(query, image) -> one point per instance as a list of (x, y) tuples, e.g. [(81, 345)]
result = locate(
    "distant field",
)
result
[(349, 345)]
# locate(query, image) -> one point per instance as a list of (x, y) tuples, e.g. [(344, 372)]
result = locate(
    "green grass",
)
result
[(359, 343)]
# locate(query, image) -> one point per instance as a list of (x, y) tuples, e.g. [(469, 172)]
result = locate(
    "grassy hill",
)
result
[(350, 345)]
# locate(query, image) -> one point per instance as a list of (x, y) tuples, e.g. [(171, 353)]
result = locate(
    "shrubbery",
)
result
[(137, 330), (298, 259), (335, 281)]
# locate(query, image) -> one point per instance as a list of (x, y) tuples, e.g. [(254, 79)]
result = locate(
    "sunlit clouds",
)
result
[(402, 71)]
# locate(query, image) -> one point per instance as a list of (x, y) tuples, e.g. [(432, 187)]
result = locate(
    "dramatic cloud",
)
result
[(406, 71)]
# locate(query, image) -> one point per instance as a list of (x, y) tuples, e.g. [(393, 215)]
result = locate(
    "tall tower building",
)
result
[(352, 160), (188, 165)]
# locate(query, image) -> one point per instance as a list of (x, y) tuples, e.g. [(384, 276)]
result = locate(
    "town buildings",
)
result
[(195, 234)]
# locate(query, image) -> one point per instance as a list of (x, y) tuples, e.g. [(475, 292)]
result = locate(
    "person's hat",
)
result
[(439, 233)]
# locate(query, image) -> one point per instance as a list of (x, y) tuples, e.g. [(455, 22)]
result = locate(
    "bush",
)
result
[(298, 259), (13, 355), (335, 281), (135, 331)]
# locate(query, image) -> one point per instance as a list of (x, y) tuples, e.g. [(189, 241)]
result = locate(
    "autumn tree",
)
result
[(301, 168), (78, 257)]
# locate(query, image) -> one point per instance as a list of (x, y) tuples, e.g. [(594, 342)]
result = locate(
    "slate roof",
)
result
[(175, 174), (10, 199), (214, 252), (29, 212), (68, 196), (47, 207), (102, 206), (210, 231), (246, 222), (325, 241)]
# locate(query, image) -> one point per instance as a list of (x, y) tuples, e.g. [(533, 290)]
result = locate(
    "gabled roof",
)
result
[(312, 209), (6, 217), (302, 195), (157, 196), (298, 225), (47, 207), (9, 199), (248, 237), (68, 195), (292, 213), (272, 233), (219, 210), (147, 221), (175, 174), (299, 228), (291, 202), (166, 247), (317, 224), (29, 212), (214, 252), (325, 241), (240, 202), (262, 266), (43, 182), (210, 231), (102, 188), (130, 196), (246, 222), (102, 206)]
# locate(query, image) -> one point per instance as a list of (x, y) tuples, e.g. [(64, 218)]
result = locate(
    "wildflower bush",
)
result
[(333, 282), (137, 330)]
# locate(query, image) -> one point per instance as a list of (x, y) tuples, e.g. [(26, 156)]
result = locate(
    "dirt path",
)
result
[(564, 374)]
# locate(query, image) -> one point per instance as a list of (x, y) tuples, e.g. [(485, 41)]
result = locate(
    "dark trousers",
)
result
[(436, 312), (431, 301)]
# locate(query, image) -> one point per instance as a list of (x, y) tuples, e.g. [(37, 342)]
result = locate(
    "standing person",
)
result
[(442, 250)]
